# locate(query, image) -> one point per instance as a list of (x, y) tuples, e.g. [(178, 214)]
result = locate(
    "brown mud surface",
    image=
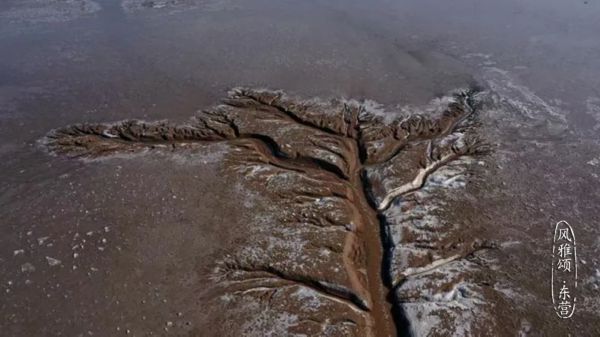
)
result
[(430, 214), (328, 148)]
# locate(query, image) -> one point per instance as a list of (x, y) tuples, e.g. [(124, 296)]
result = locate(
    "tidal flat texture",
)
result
[(296, 168)]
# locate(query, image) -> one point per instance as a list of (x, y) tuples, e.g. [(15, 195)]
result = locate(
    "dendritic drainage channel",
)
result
[(324, 161)]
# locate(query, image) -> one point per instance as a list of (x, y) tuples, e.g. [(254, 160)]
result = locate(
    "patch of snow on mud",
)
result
[(264, 322), (525, 328), (376, 109), (249, 197), (389, 115), (591, 283), (270, 323), (451, 176), (209, 154), (508, 90), (460, 303), (593, 109), (309, 298), (512, 292)]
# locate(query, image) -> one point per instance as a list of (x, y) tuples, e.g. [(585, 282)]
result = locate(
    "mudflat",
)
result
[(227, 168)]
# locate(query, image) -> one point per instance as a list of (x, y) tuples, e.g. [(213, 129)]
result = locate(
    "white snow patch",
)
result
[(309, 298), (211, 154), (594, 162), (593, 109), (461, 304), (521, 97), (525, 328), (269, 323), (52, 261), (27, 268)]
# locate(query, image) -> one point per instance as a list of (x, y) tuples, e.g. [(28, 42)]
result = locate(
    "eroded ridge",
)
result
[(333, 169)]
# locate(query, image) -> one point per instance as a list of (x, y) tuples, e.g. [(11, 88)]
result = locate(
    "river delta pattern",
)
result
[(354, 240)]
